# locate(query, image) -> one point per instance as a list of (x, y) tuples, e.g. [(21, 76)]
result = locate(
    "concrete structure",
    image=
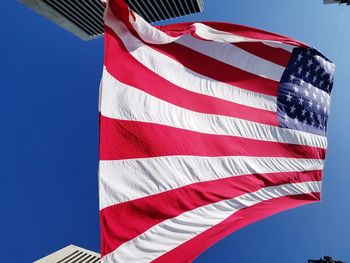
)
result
[(337, 2), (71, 254), (325, 259), (85, 18)]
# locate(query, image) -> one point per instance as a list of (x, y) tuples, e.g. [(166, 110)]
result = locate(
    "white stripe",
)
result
[(120, 101), (173, 232), (281, 45), (147, 32), (210, 33), (185, 78), (234, 56), (151, 34), (220, 50), (125, 180)]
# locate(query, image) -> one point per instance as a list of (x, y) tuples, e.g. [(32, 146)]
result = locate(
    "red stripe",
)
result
[(179, 29), (159, 87), (121, 139), (217, 70), (125, 221), (275, 55), (189, 250)]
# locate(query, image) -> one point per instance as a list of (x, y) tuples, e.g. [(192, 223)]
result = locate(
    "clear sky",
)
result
[(49, 137)]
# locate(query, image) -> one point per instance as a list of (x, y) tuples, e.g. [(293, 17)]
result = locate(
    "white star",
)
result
[(292, 109), (305, 122), (324, 73), (300, 69), (312, 124), (311, 114), (310, 103), (301, 82), (308, 52), (318, 106), (296, 89), (306, 93), (321, 82), (309, 63), (285, 117), (289, 97), (291, 77), (296, 120), (314, 79), (307, 74), (301, 100), (300, 56), (303, 112), (317, 68)]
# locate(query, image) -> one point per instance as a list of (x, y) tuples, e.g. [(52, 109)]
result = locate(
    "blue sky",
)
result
[(49, 137)]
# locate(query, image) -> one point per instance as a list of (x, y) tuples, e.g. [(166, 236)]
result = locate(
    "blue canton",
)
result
[(303, 100)]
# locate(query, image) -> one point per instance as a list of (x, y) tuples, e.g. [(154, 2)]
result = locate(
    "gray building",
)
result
[(71, 254), (85, 18), (337, 2)]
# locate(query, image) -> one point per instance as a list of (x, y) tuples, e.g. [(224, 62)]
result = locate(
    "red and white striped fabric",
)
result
[(190, 143)]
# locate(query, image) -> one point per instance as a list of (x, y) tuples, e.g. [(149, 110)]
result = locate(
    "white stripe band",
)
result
[(209, 33), (234, 56), (125, 180), (153, 35), (187, 79), (155, 242), (120, 101)]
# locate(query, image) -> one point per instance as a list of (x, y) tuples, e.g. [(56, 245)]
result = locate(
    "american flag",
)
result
[(204, 129)]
